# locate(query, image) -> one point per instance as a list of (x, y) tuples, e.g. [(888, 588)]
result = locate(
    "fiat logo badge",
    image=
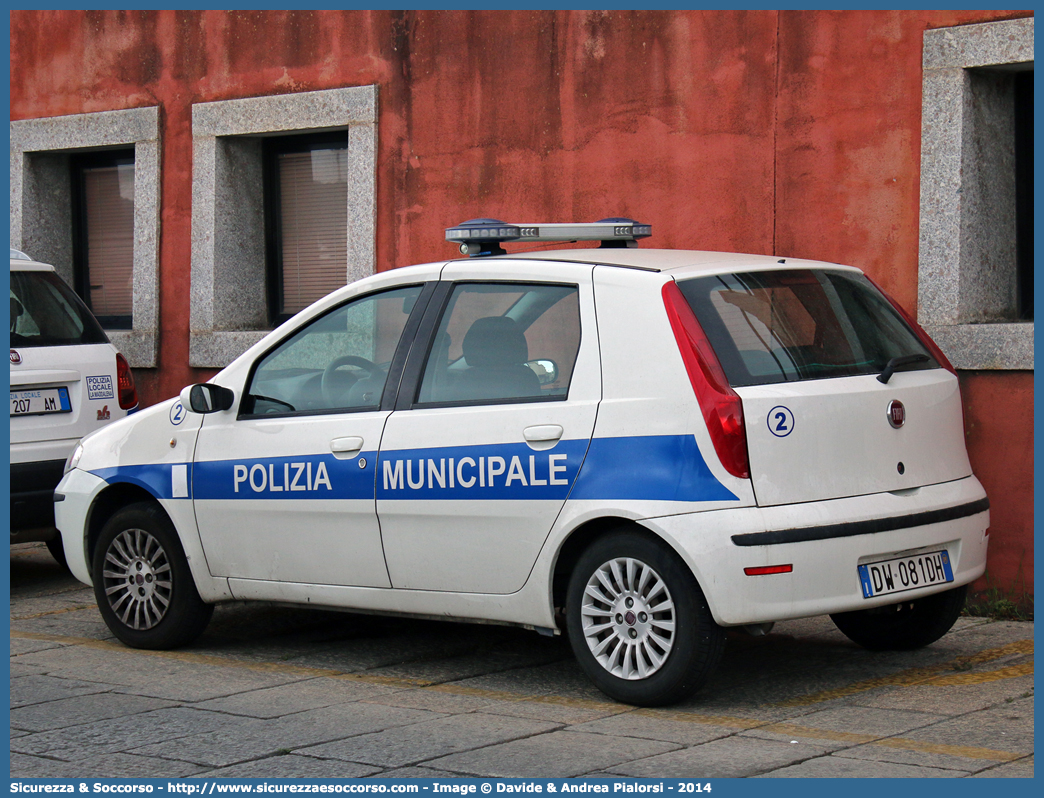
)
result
[(15, 358), (896, 414)]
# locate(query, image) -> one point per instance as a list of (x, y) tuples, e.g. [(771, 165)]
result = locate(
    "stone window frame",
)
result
[(956, 278), (41, 204), (229, 305)]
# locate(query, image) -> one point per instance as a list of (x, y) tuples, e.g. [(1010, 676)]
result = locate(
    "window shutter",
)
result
[(110, 238), (313, 190)]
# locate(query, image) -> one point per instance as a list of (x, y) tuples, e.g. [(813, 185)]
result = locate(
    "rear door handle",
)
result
[(542, 436), (346, 447)]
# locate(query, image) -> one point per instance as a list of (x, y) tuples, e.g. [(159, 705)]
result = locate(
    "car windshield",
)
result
[(45, 312), (782, 326)]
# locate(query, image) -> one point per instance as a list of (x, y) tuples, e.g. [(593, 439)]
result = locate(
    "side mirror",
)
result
[(546, 370), (206, 397)]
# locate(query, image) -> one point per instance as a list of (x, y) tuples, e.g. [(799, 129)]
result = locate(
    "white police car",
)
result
[(67, 380), (638, 447)]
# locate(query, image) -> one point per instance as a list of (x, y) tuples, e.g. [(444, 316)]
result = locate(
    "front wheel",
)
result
[(638, 622), (142, 581), (901, 627)]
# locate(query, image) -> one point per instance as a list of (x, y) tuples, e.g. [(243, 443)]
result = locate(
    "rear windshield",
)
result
[(46, 312), (784, 326)]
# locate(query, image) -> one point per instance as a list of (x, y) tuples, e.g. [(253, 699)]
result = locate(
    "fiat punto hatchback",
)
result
[(637, 448)]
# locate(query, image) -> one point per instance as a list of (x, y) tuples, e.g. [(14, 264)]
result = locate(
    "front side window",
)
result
[(103, 260), (503, 342), (307, 208), (338, 362), (45, 312), (782, 326)]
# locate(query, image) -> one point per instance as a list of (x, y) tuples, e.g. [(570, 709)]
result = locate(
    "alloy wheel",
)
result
[(137, 579), (628, 618)]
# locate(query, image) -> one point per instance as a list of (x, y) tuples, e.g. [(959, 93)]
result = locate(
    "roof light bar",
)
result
[(484, 236)]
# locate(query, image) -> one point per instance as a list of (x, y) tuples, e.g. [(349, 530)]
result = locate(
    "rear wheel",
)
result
[(142, 581), (910, 624), (638, 622)]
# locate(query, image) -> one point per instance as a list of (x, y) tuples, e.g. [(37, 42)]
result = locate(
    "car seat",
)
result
[(496, 351)]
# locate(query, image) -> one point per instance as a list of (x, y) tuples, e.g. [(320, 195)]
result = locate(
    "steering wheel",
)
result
[(328, 385)]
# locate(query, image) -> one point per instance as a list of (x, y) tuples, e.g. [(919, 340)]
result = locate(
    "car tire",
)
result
[(142, 581), (54, 545), (901, 627), (638, 622)]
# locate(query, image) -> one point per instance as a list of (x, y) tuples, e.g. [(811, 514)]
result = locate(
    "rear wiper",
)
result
[(897, 363)]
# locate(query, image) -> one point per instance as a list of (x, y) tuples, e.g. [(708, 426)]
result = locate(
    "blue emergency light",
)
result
[(478, 237)]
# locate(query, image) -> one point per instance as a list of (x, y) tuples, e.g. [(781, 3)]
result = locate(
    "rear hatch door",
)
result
[(63, 368), (62, 393), (805, 350), (825, 439)]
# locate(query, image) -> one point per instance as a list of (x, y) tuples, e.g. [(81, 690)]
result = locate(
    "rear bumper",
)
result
[(825, 542), (32, 494), (870, 526)]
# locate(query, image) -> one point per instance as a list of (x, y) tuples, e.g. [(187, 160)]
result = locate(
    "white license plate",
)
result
[(905, 573), (39, 401)]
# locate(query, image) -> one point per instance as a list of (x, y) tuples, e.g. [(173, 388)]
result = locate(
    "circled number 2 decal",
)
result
[(780, 421), (177, 414)]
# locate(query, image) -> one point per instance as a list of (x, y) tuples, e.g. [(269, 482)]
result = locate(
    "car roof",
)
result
[(22, 262), (29, 266), (677, 262)]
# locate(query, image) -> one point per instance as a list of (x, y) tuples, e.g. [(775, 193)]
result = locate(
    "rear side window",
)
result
[(503, 342), (46, 312), (784, 326)]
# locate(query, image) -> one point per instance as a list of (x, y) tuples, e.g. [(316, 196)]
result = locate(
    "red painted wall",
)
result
[(998, 420), (796, 133)]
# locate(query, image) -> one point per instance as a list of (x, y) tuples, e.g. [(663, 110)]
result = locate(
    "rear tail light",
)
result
[(925, 339), (721, 406), (128, 394)]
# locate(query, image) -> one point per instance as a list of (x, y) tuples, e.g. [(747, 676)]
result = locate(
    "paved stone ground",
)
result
[(273, 692)]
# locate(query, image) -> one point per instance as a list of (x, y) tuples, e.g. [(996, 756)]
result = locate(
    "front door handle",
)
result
[(542, 436), (346, 448)]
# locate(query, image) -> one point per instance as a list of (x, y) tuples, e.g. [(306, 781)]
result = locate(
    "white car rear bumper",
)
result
[(825, 542)]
